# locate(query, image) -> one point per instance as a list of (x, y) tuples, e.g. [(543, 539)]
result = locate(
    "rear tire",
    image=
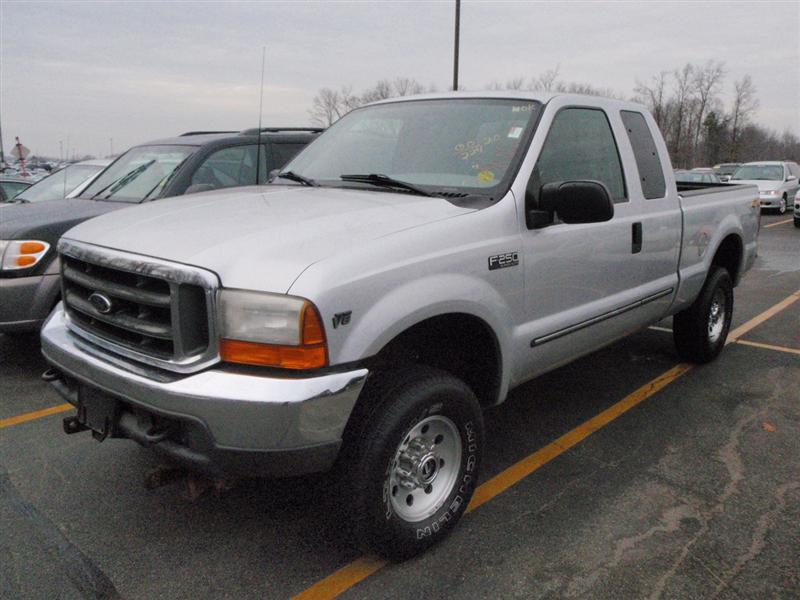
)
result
[(700, 331), (412, 463)]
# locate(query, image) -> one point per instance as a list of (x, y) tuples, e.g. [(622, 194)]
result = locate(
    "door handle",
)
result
[(636, 238)]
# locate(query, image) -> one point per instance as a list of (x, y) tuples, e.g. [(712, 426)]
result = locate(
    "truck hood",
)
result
[(48, 220), (261, 237)]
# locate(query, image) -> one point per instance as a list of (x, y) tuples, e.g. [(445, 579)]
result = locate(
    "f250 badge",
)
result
[(501, 261)]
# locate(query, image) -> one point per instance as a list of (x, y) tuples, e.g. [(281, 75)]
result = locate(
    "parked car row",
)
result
[(403, 272), (778, 182), (194, 162)]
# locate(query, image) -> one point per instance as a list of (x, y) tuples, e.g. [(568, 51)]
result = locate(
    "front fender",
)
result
[(412, 302)]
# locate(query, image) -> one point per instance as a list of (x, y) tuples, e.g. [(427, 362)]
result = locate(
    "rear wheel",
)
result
[(700, 331), (413, 464)]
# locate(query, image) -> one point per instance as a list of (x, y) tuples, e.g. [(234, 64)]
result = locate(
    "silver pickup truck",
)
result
[(407, 269)]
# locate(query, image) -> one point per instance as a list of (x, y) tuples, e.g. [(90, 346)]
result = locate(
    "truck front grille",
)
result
[(138, 312)]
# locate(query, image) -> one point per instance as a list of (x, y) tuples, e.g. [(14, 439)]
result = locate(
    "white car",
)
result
[(777, 182), (63, 183)]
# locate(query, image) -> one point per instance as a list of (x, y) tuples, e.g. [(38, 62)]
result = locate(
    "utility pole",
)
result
[(455, 49), (2, 153), (61, 150), (111, 147)]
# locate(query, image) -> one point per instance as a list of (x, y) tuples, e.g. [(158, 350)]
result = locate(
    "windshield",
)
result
[(766, 172), (139, 174), (469, 145), (727, 169), (59, 184), (689, 177)]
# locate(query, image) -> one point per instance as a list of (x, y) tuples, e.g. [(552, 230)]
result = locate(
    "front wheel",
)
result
[(782, 206), (414, 464), (700, 331)]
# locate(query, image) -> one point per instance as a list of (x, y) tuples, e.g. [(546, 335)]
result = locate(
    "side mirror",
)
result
[(573, 202), (791, 178), (199, 187), (273, 174)]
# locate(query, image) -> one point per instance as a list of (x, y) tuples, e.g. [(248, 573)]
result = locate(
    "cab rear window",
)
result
[(651, 173)]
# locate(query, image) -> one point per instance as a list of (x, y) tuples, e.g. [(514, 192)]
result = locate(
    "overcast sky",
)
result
[(134, 71)]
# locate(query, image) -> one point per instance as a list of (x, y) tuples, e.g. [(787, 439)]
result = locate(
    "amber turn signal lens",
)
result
[(25, 261), (286, 357), (31, 248), (313, 332)]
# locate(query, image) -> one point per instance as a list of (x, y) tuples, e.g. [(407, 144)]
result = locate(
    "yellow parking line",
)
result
[(767, 314), (768, 346), (518, 471), (37, 414), (353, 573), (778, 223)]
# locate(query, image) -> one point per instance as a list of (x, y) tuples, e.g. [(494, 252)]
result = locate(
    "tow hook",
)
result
[(52, 375), (73, 425)]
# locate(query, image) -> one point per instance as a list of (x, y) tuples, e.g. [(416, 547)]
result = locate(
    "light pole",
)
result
[(111, 147), (455, 49)]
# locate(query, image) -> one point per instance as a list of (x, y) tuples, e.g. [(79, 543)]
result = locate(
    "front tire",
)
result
[(700, 331), (782, 206), (413, 463)]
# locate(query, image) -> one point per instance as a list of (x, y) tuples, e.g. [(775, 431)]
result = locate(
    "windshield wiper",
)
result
[(381, 180), (124, 180), (292, 176)]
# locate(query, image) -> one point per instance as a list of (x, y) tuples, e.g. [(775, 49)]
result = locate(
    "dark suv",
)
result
[(193, 162)]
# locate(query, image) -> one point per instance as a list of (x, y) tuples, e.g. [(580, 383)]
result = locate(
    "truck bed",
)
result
[(711, 212)]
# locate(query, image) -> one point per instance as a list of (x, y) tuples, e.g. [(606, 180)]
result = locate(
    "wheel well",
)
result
[(729, 256), (461, 344)]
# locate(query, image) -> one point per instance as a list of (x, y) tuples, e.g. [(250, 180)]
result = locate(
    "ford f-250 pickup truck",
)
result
[(408, 268)]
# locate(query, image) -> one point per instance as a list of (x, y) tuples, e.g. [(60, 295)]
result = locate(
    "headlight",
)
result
[(272, 330), (770, 193), (21, 254)]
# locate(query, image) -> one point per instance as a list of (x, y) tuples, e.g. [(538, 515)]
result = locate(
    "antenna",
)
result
[(260, 112)]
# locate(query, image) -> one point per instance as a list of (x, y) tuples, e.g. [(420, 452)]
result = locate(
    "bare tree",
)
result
[(546, 82), (406, 86), (744, 104), (654, 97), (682, 98), (326, 107), (706, 81)]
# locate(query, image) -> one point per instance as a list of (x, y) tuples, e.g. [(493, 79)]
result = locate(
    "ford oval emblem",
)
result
[(101, 303)]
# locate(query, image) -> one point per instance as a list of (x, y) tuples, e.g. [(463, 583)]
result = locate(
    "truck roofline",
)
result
[(543, 97)]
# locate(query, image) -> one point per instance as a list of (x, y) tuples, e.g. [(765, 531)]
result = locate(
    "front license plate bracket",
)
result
[(97, 411)]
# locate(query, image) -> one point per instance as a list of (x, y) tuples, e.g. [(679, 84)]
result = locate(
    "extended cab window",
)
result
[(651, 173), (580, 146), (229, 167)]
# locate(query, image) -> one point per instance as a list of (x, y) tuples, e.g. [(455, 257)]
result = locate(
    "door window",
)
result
[(228, 167), (580, 146), (283, 153)]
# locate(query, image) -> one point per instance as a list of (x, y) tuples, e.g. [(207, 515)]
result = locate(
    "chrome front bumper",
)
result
[(281, 425)]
